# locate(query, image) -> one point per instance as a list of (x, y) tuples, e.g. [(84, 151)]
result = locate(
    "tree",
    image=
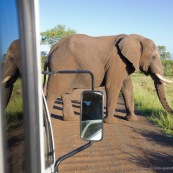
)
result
[(163, 54), (55, 34), (167, 67)]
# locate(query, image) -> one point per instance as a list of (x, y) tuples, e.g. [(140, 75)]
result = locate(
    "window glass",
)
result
[(11, 87)]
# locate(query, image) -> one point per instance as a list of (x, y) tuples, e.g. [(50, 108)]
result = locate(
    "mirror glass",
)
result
[(91, 115)]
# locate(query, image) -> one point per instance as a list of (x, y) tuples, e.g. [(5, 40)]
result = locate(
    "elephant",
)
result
[(11, 70), (112, 59)]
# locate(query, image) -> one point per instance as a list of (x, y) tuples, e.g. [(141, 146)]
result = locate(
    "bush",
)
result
[(43, 58), (167, 67)]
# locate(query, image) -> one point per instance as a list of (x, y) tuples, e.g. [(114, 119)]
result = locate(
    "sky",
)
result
[(9, 30), (150, 18)]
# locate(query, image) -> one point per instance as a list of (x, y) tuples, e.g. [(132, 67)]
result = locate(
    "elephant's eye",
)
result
[(153, 58), (11, 59)]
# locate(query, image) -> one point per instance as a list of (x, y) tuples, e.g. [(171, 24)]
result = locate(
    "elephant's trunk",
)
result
[(161, 93), (7, 88), (6, 91)]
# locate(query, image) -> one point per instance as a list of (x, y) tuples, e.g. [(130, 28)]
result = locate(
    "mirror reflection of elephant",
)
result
[(11, 70), (111, 59)]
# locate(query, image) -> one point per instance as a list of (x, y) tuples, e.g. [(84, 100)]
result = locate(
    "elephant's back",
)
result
[(78, 42), (83, 52), (78, 49)]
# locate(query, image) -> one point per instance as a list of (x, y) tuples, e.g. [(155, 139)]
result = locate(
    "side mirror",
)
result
[(91, 121)]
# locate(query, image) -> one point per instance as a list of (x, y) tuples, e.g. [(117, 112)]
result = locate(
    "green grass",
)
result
[(147, 102), (14, 110)]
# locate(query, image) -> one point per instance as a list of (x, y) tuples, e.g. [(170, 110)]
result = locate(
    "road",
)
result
[(127, 147)]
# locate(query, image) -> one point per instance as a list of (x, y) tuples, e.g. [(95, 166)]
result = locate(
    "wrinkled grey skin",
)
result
[(11, 71), (112, 59)]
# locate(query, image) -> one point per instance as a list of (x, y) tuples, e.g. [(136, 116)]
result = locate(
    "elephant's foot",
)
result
[(68, 114), (110, 120), (131, 117)]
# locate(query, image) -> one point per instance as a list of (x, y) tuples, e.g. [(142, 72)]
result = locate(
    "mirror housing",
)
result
[(91, 119)]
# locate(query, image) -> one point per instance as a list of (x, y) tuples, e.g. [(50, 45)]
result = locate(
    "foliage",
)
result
[(167, 67), (163, 54), (53, 35), (166, 61), (1, 64), (3, 57), (148, 103), (43, 58)]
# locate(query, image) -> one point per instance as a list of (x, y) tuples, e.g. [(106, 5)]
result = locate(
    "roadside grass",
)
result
[(147, 102), (14, 110)]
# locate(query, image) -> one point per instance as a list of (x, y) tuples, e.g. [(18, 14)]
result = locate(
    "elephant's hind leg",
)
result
[(68, 112), (127, 92), (58, 86), (50, 102)]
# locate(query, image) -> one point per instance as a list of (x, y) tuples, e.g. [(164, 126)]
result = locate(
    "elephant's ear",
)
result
[(130, 48)]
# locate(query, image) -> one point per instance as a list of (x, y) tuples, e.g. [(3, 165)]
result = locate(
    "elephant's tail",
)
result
[(45, 69)]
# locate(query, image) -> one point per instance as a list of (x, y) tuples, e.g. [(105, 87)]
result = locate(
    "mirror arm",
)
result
[(71, 72), (71, 154)]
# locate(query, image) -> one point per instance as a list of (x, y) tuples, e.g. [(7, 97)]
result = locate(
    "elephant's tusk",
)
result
[(6, 79), (163, 79)]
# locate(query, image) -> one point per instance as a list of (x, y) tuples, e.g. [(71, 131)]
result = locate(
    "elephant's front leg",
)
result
[(114, 80), (68, 112), (111, 101), (127, 92)]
